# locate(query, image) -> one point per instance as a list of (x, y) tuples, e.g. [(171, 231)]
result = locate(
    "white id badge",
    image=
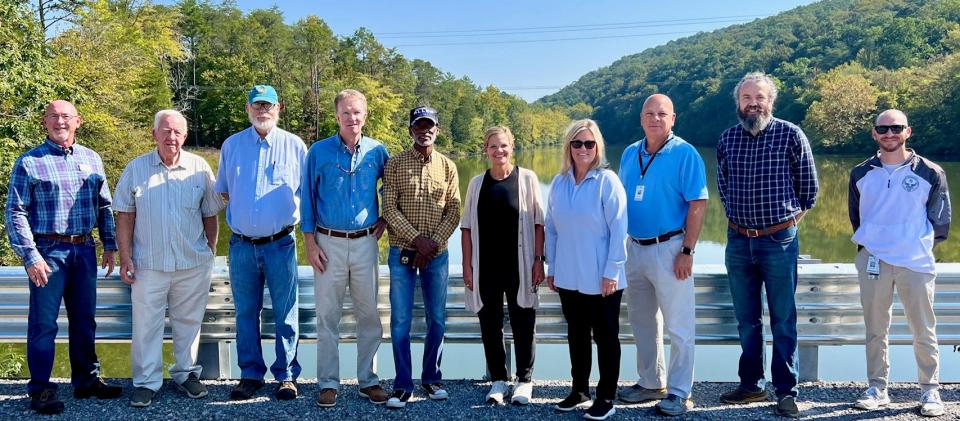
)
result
[(873, 267), (638, 195)]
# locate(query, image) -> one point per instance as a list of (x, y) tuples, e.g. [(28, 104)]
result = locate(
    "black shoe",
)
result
[(98, 388), (46, 402), (600, 410), (787, 407), (286, 390), (245, 389), (740, 396), (398, 399), (572, 401)]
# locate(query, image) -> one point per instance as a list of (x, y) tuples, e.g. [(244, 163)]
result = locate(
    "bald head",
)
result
[(657, 118), (61, 120), (891, 116)]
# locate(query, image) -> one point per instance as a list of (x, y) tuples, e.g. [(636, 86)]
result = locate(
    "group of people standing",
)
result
[(600, 236)]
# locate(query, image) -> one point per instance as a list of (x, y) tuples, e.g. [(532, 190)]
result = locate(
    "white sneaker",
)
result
[(872, 398), (497, 390), (930, 404), (521, 393)]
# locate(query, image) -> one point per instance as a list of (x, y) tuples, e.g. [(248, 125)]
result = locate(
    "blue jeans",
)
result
[(250, 266), (433, 282), (769, 262), (73, 281)]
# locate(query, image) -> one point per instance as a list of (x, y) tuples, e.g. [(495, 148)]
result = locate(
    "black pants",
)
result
[(600, 316), (522, 322)]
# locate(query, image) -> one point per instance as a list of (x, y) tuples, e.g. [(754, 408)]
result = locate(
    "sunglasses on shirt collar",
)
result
[(577, 144), (895, 128)]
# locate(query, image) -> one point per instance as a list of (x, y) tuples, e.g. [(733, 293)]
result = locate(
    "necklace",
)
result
[(505, 175)]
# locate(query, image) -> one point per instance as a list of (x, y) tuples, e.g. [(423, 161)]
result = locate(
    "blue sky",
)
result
[(559, 40)]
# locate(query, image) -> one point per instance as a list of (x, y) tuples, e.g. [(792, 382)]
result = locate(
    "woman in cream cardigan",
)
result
[(503, 212)]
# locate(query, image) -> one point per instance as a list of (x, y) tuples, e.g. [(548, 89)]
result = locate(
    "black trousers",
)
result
[(522, 322), (600, 316)]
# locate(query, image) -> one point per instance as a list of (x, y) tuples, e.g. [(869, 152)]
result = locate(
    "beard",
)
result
[(896, 146), (265, 126), (757, 122)]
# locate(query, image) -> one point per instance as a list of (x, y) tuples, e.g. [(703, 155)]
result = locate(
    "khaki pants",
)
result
[(350, 262), (916, 292), (185, 292), (656, 298)]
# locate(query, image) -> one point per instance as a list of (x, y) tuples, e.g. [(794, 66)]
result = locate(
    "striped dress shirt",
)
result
[(170, 203), (54, 190), (420, 196), (766, 179)]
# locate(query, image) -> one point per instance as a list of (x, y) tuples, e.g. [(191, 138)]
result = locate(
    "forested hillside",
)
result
[(120, 61), (836, 62)]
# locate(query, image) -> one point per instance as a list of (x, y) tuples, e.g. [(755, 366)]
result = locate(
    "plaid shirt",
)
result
[(767, 179), (420, 196), (56, 192)]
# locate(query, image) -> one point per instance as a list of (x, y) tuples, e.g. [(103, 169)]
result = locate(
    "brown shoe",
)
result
[(327, 398), (375, 394)]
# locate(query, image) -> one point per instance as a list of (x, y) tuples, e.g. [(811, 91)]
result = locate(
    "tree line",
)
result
[(836, 62), (120, 61)]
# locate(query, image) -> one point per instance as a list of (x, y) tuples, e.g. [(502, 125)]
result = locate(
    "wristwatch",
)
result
[(540, 258), (687, 250)]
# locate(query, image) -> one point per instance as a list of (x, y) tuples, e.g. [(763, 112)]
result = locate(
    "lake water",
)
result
[(824, 234)]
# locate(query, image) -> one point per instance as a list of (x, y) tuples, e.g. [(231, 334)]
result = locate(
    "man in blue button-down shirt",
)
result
[(767, 182), (58, 194), (341, 225), (259, 175)]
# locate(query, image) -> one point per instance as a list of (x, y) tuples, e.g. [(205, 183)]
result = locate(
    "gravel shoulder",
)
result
[(820, 400)]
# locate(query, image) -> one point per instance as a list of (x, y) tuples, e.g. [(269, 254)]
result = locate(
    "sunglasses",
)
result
[(895, 128), (577, 144)]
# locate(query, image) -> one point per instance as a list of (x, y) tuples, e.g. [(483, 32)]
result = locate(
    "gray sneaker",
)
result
[(142, 397), (637, 394), (930, 404), (674, 405), (192, 387)]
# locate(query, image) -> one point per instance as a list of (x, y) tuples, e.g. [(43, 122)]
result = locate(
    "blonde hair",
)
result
[(576, 127), (349, 93), (495, 130)]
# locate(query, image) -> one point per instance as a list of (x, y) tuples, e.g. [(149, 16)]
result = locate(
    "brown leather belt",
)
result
[(72, 239), (349, 235), (753, 233), (657, 240), (269, 239)]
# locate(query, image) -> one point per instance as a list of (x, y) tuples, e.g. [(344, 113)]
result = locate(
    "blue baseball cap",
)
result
[(264, 93), (424, 112)]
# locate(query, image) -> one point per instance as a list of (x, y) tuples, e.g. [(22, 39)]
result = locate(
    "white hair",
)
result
[(164, 113)]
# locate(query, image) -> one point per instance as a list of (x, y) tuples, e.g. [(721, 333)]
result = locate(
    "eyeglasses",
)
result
[(57, 117), (353, 167), (577, 144), (895, 128), (263, 106), (169, 132)]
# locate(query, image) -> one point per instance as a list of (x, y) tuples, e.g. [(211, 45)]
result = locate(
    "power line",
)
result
[(563, 29), (660, 21)]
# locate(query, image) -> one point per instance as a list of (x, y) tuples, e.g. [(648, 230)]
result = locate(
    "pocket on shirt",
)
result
[(438, 192), (190, 196), (280, 174)]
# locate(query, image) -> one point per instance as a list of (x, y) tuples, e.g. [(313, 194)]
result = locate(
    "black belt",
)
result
[(72, 239), (347, 234), (658, 239), (269, 239)]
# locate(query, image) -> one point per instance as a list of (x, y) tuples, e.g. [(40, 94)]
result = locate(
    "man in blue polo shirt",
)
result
[(259, 176), (341, 225), (666, 186)]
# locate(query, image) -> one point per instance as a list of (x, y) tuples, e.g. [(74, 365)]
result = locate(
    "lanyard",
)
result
[(643, 169)]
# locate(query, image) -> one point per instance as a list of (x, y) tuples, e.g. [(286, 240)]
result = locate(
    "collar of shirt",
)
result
[(271, 135), (664, 149), (419, 156), (155, 160), (57, 149), (593, 173)]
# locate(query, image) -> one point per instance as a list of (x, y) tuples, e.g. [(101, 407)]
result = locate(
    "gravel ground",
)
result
[(826, 400)]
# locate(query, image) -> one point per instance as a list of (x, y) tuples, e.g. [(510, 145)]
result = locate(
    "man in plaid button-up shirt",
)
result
[(58, 194), (767, 182), (421, 203)]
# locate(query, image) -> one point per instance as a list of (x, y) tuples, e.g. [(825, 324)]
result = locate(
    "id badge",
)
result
[(638, 195), (873, 267)]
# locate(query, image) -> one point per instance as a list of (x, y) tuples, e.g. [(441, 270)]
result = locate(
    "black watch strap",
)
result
[(687, 250)]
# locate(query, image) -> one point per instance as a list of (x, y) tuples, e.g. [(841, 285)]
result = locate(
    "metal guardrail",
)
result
[(828, 307)]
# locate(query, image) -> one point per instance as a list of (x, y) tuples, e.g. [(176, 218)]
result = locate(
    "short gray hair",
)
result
[(165, 113), (758, 78)]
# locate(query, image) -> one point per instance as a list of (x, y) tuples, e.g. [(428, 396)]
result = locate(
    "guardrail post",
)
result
[(215, 359), (809, 363)]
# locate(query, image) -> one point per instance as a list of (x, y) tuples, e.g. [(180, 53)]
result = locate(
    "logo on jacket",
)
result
[(910, 183)]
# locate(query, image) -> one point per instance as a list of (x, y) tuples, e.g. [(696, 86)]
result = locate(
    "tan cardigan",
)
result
[(531, 214)]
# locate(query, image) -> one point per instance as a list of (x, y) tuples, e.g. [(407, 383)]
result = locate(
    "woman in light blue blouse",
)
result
[(586, 231)]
